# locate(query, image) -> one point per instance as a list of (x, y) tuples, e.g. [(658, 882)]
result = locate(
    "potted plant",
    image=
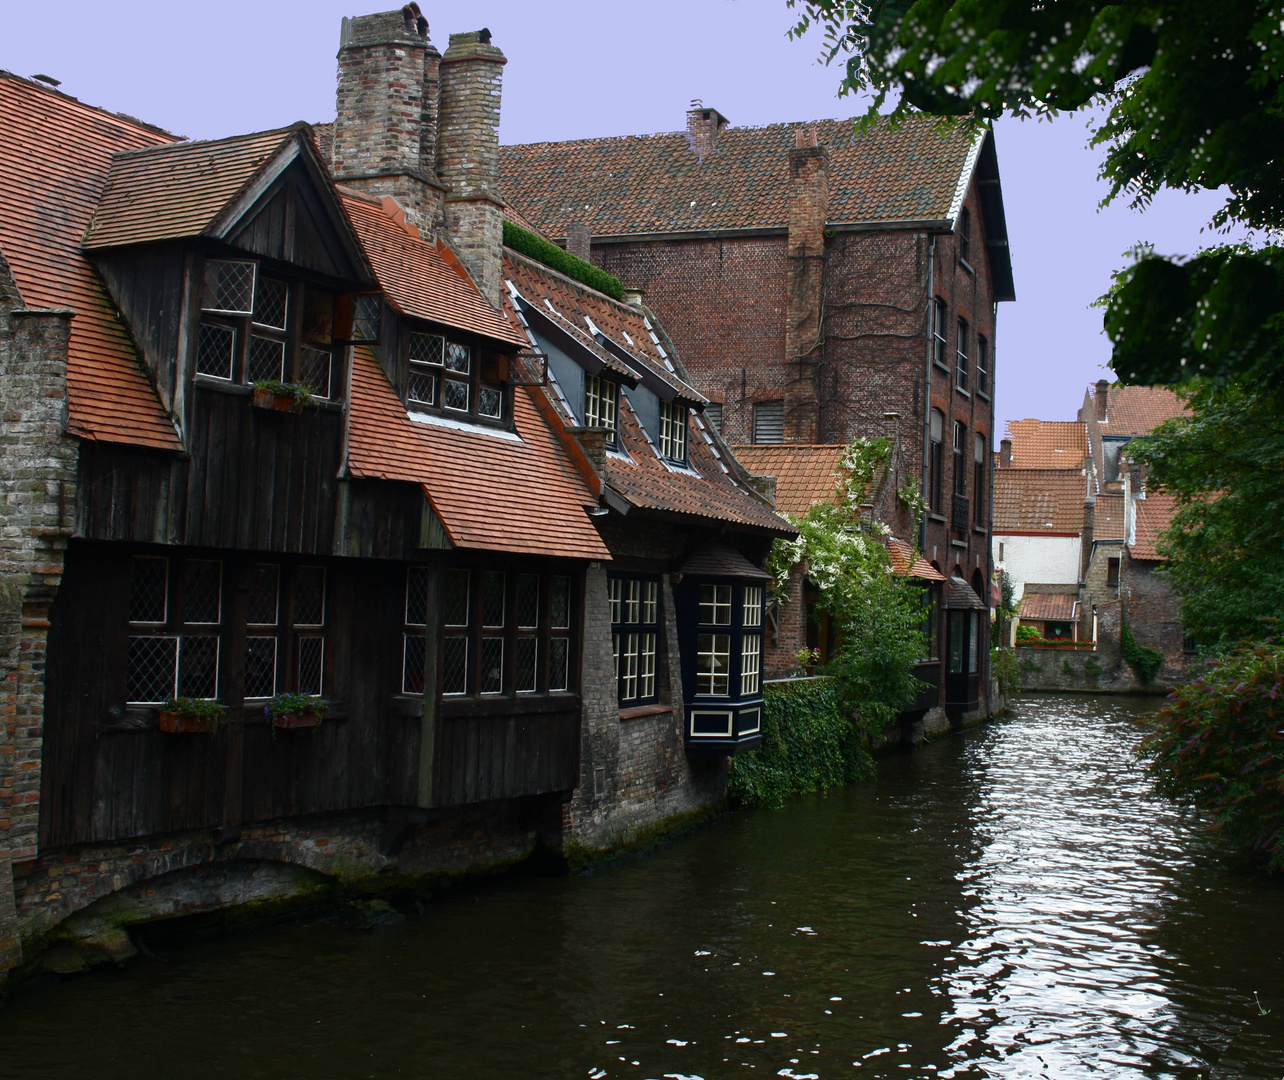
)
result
[(808, 659), (294, 711), (283, 397), (184, 715)]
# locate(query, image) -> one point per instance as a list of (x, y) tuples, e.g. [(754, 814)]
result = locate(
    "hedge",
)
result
[(542, 251)]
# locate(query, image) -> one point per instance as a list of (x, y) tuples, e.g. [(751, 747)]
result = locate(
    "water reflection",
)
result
[(1011, 903)]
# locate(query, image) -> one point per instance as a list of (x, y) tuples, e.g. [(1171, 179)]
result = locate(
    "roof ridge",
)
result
[(190, 144), (52, 91)]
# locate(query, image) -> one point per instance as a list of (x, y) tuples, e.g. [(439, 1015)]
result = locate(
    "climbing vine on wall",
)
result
[(809, 743), (876, 616)]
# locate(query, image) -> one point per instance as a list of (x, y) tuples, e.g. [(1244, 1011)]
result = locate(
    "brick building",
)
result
[(1076, 528), (820, 284), (270, 434)]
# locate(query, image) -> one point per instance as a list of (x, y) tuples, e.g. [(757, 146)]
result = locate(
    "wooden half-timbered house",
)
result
[(283, 423)]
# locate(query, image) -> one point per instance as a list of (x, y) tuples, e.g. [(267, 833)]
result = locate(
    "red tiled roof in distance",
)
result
[(805, 474), (1039, 501), (1056, 606), (491, 493), (422, 280), (178, 190), (1154, 515), (1135, 410), (1047, 444), (1108, 518), (53, 167), (657, 183), (641, 478)]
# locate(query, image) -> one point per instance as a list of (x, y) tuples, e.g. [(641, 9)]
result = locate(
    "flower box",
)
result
[(296, 721), (186, 716), (269, 399)]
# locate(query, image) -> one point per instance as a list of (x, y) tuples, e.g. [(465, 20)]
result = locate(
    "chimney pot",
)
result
[(1102, 399), (1005, 453), (579, 241)]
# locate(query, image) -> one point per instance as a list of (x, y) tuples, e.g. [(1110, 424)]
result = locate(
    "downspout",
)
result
[(927, 393)]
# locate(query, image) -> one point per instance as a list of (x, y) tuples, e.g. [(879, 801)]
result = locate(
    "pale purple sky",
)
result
[(578, 69)]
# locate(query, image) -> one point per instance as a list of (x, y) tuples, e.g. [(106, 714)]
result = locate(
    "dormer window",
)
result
[(446, 375), (257, 328), (673, 432), (601, 400)]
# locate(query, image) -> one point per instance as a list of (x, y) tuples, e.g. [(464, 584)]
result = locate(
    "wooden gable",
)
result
[(295, 220)]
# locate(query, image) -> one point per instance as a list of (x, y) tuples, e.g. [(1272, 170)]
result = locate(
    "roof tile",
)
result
[(657, 183), (1048, 444), (1154, 515), (1048, 501), (52, 172)]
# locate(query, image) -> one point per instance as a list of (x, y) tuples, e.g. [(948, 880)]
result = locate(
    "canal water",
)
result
[(1007, 903)]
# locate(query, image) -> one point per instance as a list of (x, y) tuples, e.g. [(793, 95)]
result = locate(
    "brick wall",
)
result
[(386, 115), (1154, 616), (37, 497), (468, 156), (804, 290)]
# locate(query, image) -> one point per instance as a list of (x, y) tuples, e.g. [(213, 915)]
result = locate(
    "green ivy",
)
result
[(1003, 667), (1144, 661), (1092, 668), (548, 253), (1218, 745), (809, 743)]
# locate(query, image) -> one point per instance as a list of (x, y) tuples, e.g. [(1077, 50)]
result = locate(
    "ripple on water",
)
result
[(1010, 903)]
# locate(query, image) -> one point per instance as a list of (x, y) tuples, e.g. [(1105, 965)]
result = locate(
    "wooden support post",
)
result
[(429, 733)]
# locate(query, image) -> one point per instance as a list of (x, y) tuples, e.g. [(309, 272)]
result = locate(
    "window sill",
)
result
[(941, 367), (960, 390), (983, 395), (464, 708), (980, 529), (958, 544), (637, 712), (233, 389), (967, 266), (933, 516)]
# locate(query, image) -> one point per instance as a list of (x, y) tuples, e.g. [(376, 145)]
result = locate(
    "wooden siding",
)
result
[(129, 494), (291, 224), (262, 480), (480, 758)]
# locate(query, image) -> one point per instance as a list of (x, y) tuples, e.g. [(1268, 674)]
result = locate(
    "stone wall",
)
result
[(1095, 672), (37, 500), (1154, 616)]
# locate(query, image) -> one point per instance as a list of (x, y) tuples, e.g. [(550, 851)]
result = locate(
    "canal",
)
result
[(1007, 903)]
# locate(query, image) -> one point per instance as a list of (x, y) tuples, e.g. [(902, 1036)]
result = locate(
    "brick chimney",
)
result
[(1005, 453), (1101, 399), (703, 127), (468, 156), (579, 241), (804, 289), (385, 127)]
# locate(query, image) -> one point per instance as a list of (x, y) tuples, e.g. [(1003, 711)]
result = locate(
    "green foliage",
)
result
[(1028, 635), (1092, 668), (1224, 464), (877, 616), (1030, 666), (1003, 668), (548, 253), (297, 704), (198, 708), (809, 743), (1144, 661), (1219, 745), (283, 389)]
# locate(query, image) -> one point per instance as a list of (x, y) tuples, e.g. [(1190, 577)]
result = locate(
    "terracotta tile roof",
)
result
[(906, 562), (1048, 501), (1108, 519), (1154, 515), (491, 493), (177, 190), (1135, 410), (422, 280), (1056, 606), (52, 170), (1047, 444), (720, 560), (656, 183), (712, 489), (805, 474), (959, 595)]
